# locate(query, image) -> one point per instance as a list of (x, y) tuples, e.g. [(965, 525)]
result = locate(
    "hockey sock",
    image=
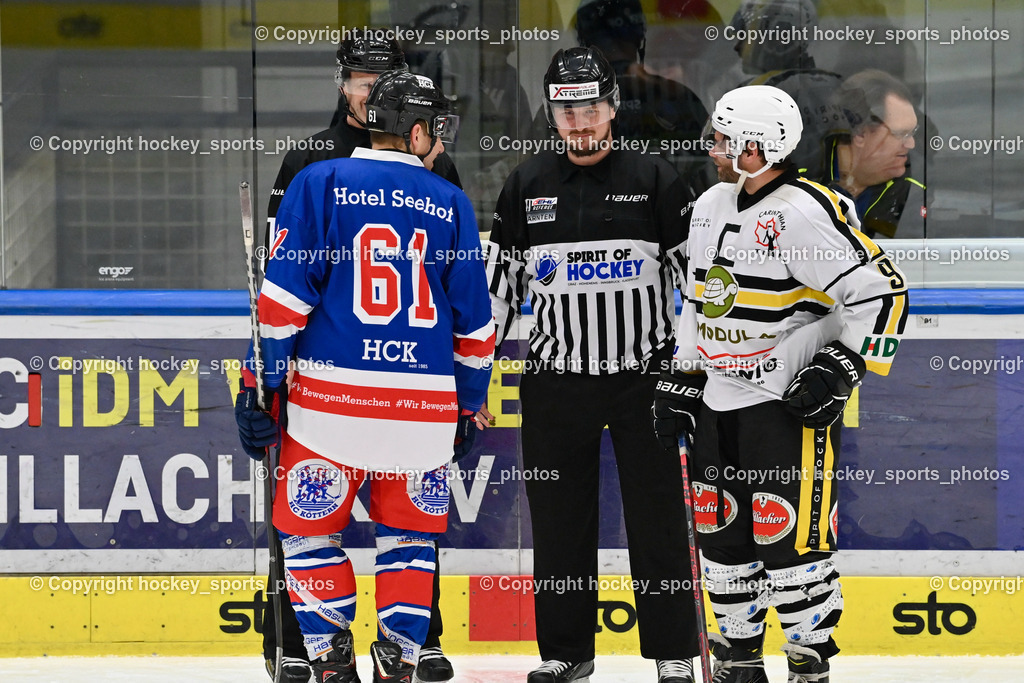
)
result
[(406, 562), (739, 596), (322, 587), (809, 601)]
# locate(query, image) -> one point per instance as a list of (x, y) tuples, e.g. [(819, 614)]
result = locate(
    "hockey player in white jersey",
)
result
[(787, 305), (376, 292)]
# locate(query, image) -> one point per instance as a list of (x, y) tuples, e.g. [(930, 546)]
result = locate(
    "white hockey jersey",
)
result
[(772, 277)]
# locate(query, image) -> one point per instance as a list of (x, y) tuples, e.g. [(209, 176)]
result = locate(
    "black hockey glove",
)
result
[(818, 393), (678, 398), (257, 429), (465, 435)]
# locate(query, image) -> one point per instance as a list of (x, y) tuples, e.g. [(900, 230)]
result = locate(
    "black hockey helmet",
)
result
[(578, 76), (371, 52), (399, 99), (603, 22), (793, 18)]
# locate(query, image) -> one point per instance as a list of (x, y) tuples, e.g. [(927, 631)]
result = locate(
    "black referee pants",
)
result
[(564, 416)]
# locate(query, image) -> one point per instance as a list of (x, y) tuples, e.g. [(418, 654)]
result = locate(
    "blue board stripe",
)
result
[(236, 302)]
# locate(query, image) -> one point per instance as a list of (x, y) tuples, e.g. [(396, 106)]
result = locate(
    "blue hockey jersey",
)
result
[(375, 287)]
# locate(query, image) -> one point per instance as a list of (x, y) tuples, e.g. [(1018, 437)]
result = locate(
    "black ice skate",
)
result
[(736, 664), (433, 666), (805, 665), (675, 671), (293, 670), (338, 665), (554, 671), (388, 666)]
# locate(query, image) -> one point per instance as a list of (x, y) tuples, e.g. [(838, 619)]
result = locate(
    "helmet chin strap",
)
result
[(746, 174), (408, 147), (352, 115)]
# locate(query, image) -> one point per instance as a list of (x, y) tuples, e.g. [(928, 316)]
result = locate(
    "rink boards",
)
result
[(203, 614), (134, 471)]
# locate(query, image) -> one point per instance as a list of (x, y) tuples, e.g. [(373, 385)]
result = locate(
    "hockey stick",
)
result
[(695, 573), (273, 590)]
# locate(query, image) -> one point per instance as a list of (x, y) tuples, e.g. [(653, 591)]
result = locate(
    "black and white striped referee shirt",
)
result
[(597, 250)]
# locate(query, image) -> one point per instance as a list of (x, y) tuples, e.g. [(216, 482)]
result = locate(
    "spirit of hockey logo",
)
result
[(315, 489), (432, 498)]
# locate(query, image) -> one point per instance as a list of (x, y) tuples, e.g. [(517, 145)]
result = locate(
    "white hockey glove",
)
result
[(678, 398), (818, 393)]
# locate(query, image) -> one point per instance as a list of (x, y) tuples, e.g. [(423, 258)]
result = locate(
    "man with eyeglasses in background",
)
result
[(871, 163)]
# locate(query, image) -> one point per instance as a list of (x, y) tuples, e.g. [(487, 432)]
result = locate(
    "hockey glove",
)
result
[(257, 429), (818, 393), (678, 398), (465, 435)]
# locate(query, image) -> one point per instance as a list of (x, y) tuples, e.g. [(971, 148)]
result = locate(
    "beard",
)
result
[(727, 174), (589, 146)]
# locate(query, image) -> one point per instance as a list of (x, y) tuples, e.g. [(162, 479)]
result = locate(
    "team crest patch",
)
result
[(705, 508), (833, 522), (432, 498), (541, 209), (720, 291), (767, 234), (774, 517), (315, 489)]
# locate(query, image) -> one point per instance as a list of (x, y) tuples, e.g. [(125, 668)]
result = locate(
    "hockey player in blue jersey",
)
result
[(375, 294)]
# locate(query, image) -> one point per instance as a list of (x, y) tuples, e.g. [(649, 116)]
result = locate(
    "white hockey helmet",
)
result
[(758, 113)]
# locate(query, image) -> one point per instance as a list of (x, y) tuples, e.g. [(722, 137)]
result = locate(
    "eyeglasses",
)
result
[(901, 135)]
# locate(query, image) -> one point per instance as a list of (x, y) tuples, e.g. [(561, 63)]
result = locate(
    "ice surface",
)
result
[(492, 669)]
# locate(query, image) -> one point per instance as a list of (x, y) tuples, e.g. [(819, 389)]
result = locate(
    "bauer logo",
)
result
[(573, 92), (315, 489), (541, 209), (774, 517), (432, 498), (705, 508)]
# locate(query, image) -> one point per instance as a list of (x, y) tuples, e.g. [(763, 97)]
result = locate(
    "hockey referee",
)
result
[(593, 236)]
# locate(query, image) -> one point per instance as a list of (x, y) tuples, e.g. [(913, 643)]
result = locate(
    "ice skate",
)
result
[(338, 665), (293, 670), (675, 671), (805, 665), (736, 664), (554, 671), (433, 666), (388, 665)]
